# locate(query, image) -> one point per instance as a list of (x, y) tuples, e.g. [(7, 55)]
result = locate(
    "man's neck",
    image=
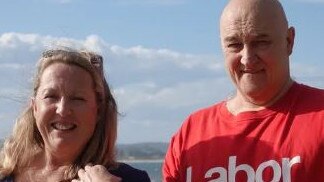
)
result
[(240, 103)]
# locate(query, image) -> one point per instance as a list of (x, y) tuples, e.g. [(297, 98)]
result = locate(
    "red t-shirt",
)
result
[(284, 142)]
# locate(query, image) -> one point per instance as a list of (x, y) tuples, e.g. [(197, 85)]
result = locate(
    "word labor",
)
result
[(252, 176)]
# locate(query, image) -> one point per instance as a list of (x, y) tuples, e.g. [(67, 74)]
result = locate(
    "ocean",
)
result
[(153, 168)]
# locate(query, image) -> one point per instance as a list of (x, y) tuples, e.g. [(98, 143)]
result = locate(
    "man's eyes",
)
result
[(254, 44), (235, 45)]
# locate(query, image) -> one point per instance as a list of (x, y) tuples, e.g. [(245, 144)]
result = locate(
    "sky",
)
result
[(162, 58)]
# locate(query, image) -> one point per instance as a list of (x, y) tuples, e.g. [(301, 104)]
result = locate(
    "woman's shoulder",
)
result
[(130, 174), (7, 179)]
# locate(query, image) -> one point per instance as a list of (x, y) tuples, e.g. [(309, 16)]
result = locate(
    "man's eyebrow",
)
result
[(233, 38), (262, 36)]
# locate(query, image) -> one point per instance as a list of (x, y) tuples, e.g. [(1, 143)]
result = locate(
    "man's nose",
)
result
[(63, 107), (248, 56)]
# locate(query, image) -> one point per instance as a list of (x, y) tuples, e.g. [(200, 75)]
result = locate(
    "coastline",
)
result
[(141, 160)]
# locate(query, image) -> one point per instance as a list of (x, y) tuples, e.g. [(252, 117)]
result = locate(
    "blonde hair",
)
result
[(25, 142)]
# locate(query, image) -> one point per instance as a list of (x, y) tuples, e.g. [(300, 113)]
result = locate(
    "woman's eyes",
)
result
[(53, 97), (77, 98), (50, 96)]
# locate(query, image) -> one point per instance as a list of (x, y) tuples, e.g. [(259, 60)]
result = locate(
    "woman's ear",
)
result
[(33, 105)]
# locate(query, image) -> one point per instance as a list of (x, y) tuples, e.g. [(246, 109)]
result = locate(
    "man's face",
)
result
[(256, 47)]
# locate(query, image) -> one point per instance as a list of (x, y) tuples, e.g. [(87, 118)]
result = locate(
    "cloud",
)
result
[(184, 60), (64, 1), (145, 81), (183, 94), (60, 1), (155, 88), (11, 66)]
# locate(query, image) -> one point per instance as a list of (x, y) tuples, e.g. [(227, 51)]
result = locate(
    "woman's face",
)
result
[(65, 109)]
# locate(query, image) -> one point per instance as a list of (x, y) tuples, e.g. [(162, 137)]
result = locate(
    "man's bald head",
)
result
[(244, 9)]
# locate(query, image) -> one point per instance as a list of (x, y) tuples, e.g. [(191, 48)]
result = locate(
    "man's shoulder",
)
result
[(202, 116), (310, 94), (308, 90), (307, 99), (207, 111)]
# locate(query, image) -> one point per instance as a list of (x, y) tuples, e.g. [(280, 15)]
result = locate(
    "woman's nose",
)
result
[(63, 108)]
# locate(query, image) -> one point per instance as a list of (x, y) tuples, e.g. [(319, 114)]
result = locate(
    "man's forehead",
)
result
[(246, 29), (251, 26)]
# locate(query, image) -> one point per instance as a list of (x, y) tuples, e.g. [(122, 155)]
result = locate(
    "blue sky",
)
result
[(162, 57)]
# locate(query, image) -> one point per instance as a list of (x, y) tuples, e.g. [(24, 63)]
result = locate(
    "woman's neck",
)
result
[(44, 167)]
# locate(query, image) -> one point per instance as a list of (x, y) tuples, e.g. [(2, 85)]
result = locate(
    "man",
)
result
[(272, 129)]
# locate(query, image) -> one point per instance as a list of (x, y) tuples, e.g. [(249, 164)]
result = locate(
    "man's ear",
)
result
[(290, 39)]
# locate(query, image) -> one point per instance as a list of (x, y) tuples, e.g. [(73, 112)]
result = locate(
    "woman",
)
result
[(68, 132)]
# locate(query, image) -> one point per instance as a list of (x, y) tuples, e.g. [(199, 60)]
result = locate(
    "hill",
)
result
[(141, 151), (138, 151)]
